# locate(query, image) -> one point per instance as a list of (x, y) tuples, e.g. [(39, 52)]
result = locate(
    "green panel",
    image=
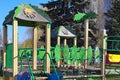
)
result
[(66, 54), (89, 54), (41, 53), (20, 52), (57, 53), (97, 54), (74, 54), (81, 54), (90, 79), (9, 51)]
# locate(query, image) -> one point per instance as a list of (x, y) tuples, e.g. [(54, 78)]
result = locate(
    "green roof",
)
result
[(27, 15), (83, 16)]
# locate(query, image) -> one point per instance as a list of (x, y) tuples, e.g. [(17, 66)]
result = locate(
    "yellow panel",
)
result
[(114, 57)]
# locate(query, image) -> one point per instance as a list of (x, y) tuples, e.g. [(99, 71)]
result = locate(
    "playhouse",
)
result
[(72, 63)]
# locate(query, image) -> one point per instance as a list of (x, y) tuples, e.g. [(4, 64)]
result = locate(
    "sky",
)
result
[(8, 5)]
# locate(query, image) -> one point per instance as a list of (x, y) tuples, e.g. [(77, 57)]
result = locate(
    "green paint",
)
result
[(41, 52), (97, 54), (90, 79), (17, 11), (79, 16), (66, 54), (83, 16), (48, 25), (81, 54), (9, 52), (90, 15), (90, 54), (57, 53), (74, 54)]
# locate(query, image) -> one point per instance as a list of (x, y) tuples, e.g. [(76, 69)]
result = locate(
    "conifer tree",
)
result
[(113, 18), (62, 12)]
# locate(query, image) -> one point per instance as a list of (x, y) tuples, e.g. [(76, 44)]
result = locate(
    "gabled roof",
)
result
[(27, 15), (63, 32)]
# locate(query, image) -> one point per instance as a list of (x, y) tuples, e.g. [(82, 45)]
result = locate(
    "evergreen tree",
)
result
[(113, 18), (62, 12)]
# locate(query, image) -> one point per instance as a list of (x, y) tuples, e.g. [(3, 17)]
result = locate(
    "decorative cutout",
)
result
[(29, 13), (65, 32)]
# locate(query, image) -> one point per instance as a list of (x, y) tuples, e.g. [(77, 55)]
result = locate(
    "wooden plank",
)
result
[(35, 48), (15, 47), (86, 41), (7, 78), (80, 76), (4, 46), (58, 40), (104, 53), (48, 42), (41, 78), (70, 77), (65, 42), (75, 41)]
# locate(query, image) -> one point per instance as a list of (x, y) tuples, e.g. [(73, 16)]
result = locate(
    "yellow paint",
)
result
[(114, 57), (28, 10)]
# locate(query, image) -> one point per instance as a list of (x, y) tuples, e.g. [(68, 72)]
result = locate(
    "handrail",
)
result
[(21, 68), (30, 69), (53, 66)]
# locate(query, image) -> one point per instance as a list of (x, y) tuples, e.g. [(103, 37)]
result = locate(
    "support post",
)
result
[(4, 51), (65, 42), (34, 48), (15, 48), (58, 42), (75, 41), (4, 46), (75, 44), (104, 54), (48, 42), (86, 42)]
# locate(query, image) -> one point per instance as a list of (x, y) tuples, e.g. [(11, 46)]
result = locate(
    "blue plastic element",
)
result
[(53, 76), (18, 77), (24, 76)]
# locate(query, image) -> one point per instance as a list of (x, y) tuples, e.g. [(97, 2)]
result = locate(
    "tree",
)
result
[(113, 18), (29, 41), (62, 12)]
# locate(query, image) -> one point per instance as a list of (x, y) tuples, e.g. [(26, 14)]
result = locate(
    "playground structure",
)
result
[(28, 15)]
